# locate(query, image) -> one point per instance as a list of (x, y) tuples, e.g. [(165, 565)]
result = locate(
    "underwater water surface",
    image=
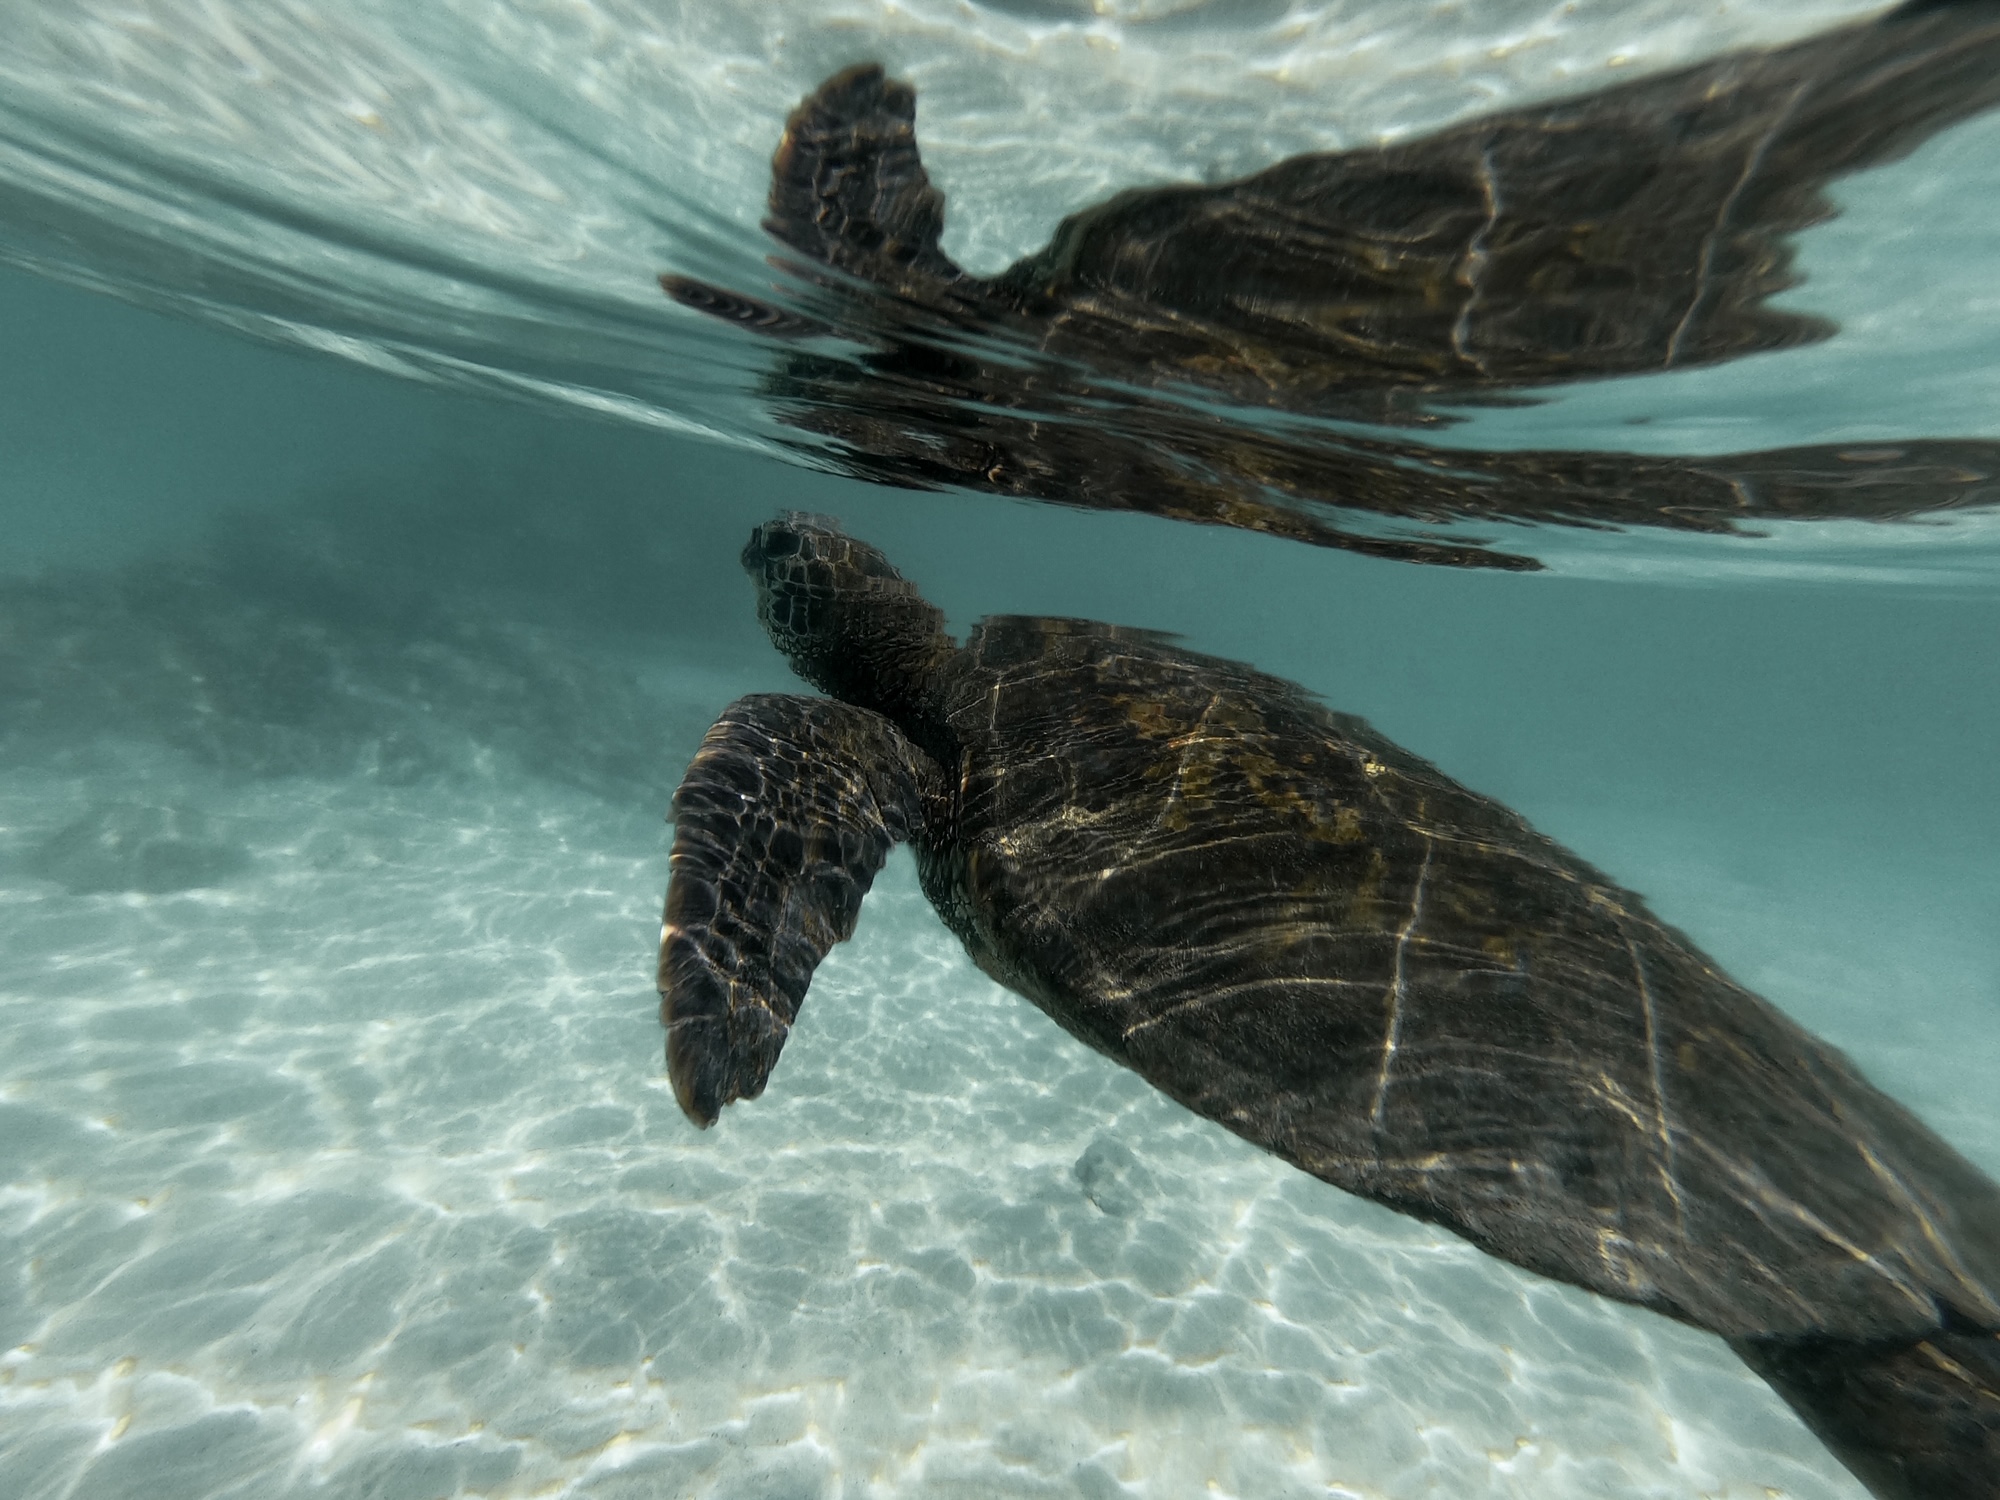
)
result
[(344, 685)]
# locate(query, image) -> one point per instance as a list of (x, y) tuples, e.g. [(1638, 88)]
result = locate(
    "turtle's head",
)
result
[(848, 622)]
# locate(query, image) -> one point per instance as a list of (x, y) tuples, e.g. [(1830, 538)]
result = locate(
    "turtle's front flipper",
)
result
[(782, 822)]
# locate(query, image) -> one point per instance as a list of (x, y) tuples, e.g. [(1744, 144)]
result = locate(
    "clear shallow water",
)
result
[(354, 1173)]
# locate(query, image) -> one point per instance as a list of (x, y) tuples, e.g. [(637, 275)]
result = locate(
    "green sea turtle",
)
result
[(1321, 942)]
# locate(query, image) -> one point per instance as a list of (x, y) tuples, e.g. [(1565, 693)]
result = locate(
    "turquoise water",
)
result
[(339, 712)]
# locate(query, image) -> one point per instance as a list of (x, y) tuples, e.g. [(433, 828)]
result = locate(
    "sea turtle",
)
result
[(1323, 943)]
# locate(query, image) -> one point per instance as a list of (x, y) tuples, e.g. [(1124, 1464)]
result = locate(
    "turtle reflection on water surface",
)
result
[(1639, 228), (1306, 934)]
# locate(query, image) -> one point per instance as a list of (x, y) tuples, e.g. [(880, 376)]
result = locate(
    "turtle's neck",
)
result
[(889, 654)]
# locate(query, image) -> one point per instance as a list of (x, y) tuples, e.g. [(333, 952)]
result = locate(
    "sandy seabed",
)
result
[(355, 1174)]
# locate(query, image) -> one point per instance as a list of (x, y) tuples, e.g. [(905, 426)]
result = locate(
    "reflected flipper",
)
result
[(848, 188), (782, 822)]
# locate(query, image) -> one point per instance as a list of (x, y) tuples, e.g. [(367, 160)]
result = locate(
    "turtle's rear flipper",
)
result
[(783, 820), (1914, 1421)]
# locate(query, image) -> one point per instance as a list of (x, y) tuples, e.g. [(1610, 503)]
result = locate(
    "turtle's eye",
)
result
[(777, 543)]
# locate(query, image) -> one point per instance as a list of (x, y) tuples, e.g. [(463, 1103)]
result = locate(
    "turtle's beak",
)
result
[(784, 537), (767, 543)]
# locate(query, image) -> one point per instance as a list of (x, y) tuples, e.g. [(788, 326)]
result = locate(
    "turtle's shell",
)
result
[(1324, 943)]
